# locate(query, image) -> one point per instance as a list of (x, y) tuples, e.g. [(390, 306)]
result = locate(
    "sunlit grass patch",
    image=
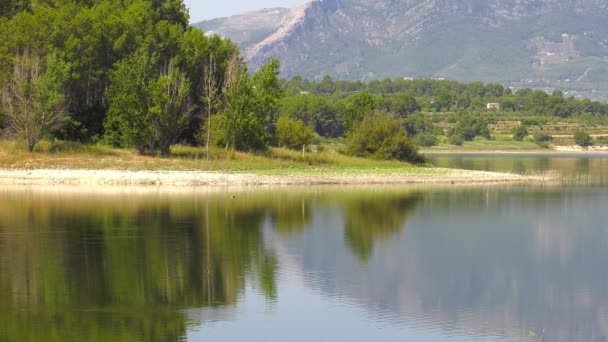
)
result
[(72, 155)]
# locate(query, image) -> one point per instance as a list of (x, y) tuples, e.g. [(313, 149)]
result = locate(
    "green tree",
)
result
[(130, 97), (149, 108), (582, 138), (443, 100), (33, 100), (380, 136), (417, 124), (520, 132), (404, 105), (267, 93), (470, 126), (293, 134), (171, 108), (326, 86), (250, 104), (358, 106)]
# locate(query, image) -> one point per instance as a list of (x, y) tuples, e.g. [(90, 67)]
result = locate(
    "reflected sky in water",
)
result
[(492, 263)]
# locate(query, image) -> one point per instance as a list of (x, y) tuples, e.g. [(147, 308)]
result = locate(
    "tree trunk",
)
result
[(208, 131)]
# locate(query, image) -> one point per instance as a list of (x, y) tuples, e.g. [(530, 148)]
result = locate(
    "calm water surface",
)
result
[(499, 263)]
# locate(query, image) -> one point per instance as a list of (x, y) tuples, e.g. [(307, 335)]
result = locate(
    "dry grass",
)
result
[(70, 155)]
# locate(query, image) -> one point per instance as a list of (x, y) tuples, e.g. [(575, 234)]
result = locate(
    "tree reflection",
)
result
[(75, 267), (123, 270), (374, 217)]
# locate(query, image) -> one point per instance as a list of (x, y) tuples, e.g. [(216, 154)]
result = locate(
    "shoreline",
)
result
[(553, 150), (42, 177)]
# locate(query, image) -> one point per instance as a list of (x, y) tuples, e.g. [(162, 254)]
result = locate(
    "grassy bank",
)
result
[(69, 155)]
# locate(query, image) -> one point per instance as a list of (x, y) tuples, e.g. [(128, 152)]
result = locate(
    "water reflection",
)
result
[(509, 262), (125, 268), (580, 169), (108, 269), (374, 217), (522, 264)]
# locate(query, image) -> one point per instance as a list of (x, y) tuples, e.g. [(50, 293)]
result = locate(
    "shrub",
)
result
[(542, 137), (456, 139), (381, 136), (426, 139), (500, 137), (470, 126), (293, 134), (582, 138), (602, 140), (520, 132), (542, 144), (417, 124)]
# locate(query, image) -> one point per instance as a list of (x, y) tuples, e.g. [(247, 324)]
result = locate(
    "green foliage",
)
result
[(316, 111), (402, 104), (542, 137), (520, 132), (470, 126), (582, 138), (293, 134), (266, 88), (456, 140), (380, 136), (130, 99), (33, 99), (357, 108), (171, 108), (95, 36), (149, 108), (251, 103), (443, 100), (426, 139), (419, 124)]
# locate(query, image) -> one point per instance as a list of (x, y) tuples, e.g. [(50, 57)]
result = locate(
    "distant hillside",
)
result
[(247, 29), (537, 43)]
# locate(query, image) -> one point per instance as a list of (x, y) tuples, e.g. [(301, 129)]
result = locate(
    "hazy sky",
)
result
[(209, 9)]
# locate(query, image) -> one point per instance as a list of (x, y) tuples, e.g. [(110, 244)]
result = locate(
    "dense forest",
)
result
[(129, 73), (134, 74)]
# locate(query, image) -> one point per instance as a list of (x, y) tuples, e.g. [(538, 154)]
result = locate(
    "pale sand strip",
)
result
[(201, 178)]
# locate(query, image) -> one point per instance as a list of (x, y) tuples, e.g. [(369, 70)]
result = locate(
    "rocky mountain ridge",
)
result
[(543, 43)]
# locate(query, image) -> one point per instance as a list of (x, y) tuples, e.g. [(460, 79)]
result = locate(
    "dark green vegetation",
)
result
[(438, 112), (381, 136), (582, 138), (132, 74)]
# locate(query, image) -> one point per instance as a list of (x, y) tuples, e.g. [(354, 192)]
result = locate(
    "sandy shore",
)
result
[(200, 178), (576, 148)]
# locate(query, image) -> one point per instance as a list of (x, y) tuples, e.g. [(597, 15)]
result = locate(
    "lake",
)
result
[(452, 263)]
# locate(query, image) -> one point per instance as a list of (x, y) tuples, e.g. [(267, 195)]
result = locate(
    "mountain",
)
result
[(246, 29), (539, 43)]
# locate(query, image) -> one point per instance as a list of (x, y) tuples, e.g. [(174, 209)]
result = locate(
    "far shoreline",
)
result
[(552, 151)]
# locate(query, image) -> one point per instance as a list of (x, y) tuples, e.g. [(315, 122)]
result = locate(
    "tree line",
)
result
[(130, 73), (332, 106), (448, 95)]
